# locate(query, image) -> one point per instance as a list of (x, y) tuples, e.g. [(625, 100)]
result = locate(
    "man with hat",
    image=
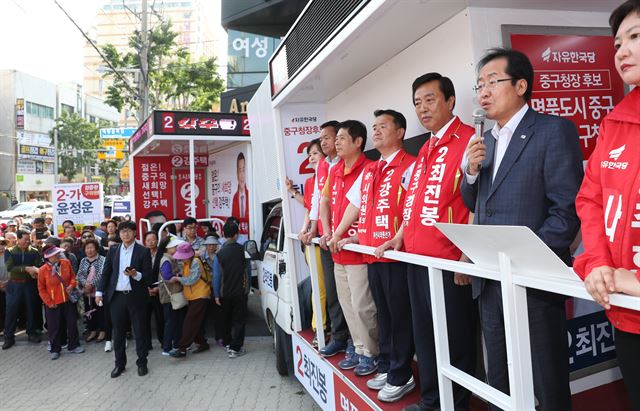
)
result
[(12, 226)]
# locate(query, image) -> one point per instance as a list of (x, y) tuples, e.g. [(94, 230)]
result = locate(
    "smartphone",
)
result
[(129, 269), (40, 235)]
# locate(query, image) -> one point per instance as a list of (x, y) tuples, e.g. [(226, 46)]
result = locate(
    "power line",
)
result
[(116, 73)]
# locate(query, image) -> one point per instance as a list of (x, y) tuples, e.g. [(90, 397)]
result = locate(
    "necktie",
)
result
[(432, 144)]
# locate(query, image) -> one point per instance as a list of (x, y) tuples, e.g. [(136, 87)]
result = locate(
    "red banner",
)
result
[(153, 189), (346, 398), (574, 77), (184, 192)]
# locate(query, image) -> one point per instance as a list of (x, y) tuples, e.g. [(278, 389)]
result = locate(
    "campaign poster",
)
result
[(229, 187), (153, 189), (574, 77), (78, 202), (184, 191)]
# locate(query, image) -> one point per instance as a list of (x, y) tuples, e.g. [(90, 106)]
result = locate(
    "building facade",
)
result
[(28, 109)]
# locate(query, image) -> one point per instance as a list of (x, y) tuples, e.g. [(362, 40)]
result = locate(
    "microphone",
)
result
[(479, 115)]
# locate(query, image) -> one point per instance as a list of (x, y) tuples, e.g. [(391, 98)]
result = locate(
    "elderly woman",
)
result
[(56, 282), (173, 316), (609, 200), (197, 290), (89, 275)]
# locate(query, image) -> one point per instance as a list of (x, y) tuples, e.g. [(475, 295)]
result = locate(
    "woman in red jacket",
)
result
[(56, 281), (610, 194)]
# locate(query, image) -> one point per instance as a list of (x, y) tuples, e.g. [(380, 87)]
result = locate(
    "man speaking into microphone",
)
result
[(525, 171)]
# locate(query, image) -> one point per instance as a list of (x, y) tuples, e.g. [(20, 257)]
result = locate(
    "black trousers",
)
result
[(95, 321), (124, 306), (339, 328), (173, 320), (3, 307), (461, 326), (235, 316), (55, 316), (390, 291), (220, 330), (549, 348), (17, 294), (155, 308), (628, 351)]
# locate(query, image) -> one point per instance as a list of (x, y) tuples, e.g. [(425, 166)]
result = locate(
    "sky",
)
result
[(37, 38)]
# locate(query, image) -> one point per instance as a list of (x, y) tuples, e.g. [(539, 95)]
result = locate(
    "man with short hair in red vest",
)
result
[(434, 196), (350, 269), (376, 202)]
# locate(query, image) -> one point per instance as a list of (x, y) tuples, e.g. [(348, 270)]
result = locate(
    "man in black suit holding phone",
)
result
[(125, 278)]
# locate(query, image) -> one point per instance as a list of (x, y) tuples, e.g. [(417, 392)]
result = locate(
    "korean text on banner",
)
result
[(314, 373), (81, 203)]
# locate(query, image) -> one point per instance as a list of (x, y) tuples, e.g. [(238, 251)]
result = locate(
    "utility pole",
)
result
[(144, 65)]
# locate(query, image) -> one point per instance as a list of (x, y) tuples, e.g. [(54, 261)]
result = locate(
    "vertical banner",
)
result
[(300, 124), (314, 373), (78, 202), (153, 189), (184, 191), (574, 77), (228, 187)]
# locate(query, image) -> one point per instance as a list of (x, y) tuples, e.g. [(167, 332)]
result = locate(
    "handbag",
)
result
[(74, 295), (177, 299)]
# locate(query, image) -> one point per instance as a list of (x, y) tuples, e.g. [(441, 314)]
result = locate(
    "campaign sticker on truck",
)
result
[(314, 373)]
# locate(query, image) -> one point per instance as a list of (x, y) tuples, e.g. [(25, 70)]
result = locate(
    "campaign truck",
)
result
[(343, 62)]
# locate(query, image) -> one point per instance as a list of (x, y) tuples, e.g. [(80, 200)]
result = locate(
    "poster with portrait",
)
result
[(228, 180)]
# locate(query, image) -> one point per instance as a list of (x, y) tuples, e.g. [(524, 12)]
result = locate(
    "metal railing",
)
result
[(217, 223), (516, 322)]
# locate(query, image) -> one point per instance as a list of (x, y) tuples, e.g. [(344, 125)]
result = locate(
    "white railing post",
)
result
[(441, 337), (516, 327), (315, 295)]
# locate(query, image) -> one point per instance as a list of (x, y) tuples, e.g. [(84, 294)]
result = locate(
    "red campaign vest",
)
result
[(382, 203), (308, 191), (340, 185), (322, 173), (434, 195)]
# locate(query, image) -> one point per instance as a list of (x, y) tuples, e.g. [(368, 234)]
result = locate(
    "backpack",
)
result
[(207, 272)]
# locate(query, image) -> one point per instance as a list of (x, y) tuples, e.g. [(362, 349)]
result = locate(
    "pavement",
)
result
[(29, 380)]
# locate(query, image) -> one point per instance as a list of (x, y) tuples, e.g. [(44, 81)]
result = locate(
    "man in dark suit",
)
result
[(125, 278), (525, 171)]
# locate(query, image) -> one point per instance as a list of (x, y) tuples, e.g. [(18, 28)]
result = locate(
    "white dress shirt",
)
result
[(355, 192), (124, 281), (503, 138)]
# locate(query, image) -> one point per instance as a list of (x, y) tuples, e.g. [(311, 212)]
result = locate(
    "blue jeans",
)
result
[(19, 293), (173, 320)]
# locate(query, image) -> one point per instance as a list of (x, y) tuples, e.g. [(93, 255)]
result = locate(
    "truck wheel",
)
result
[(282, 343)]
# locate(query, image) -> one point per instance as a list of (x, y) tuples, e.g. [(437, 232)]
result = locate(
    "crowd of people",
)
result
[(528, 171), (117, 286)]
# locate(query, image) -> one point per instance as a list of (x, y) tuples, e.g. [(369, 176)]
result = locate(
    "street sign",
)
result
[(117, 132), (111, 154), (118, 143)]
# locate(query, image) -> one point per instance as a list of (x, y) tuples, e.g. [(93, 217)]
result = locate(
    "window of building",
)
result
[(66, 108), (39, 110)]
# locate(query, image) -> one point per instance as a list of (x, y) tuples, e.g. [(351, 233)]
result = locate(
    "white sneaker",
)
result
[(392, 393), (108, 346), (377, 383)]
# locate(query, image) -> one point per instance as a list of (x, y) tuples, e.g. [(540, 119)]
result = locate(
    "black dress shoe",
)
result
[(34, 338), (8, 343), (420, 407), (143, 370), (201, 348), (116, 372)]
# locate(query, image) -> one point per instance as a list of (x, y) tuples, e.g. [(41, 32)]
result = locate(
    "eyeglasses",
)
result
[(86, 237), (491, 84)]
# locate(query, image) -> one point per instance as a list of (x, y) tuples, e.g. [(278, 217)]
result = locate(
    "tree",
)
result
[(78, 142), (108, 169), (174, 81)]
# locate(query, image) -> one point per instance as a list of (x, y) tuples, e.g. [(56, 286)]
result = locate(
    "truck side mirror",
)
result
[(251, 250)]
